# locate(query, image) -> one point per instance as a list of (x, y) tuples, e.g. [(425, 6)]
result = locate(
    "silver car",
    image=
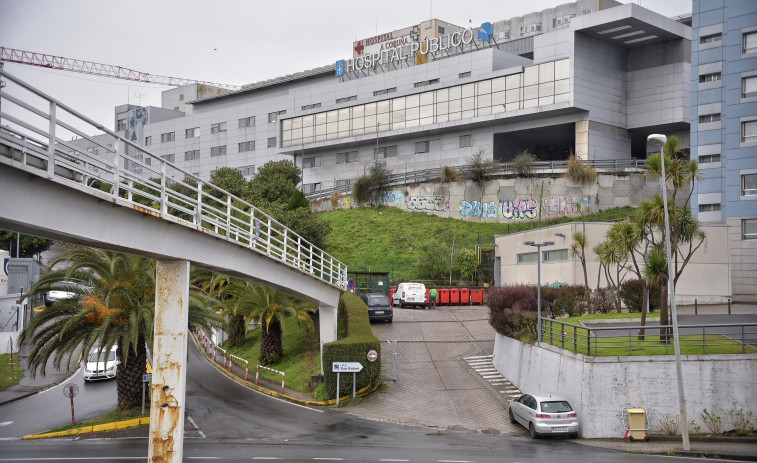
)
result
[(545, 414)]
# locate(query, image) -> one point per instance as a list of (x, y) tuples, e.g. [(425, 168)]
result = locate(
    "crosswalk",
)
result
[(482, 364)]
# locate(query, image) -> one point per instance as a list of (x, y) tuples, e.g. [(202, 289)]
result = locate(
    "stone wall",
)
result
[(599, 388), (517, 198)]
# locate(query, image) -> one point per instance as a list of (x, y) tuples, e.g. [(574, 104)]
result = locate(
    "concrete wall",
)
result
[(10, 323), (599, 388)]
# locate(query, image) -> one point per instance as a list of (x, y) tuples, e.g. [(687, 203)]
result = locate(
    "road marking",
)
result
[(454, 461), (76, 459), (328, 459), (9, 438), (197, 428), (266, 458), (6, 423), (387, 459)]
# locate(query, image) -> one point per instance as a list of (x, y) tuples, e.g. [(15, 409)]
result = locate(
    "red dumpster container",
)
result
[(454, 296), (443, 296), (428, 297), (391, 295), (477, 296), (464, 296)]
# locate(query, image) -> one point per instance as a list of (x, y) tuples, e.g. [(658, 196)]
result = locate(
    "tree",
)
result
[(467, 263), (271, 308), (578, 249), (232, 181), (29, 246), (523, 163), (274, 183), (114, 305), (367, 189)]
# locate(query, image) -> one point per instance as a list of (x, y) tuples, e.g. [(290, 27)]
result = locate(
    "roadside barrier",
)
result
[(283, 375), (246, 364)]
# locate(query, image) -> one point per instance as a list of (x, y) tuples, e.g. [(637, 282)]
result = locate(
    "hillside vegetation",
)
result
[(388, 239)]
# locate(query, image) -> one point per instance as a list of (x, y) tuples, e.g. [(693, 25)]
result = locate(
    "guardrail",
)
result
[(124, 173), (624, 340), (283, 375), (435, 174)]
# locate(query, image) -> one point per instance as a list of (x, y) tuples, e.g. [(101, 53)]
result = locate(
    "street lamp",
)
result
[(538, 247), (660, 140)]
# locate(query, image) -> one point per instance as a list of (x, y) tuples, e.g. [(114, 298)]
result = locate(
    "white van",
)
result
[(410, 294)]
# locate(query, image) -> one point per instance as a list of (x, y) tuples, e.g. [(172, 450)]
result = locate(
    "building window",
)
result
[(536, 27), (175, 108), (346, 99), (272, 142), (343, 183), (247, 146), (218, 128), (148, 141), (421, 147), (181, 97), (426, 82), (709, 208), (308, 163), (749, 87), (247, 122), (705, 118), (528, 258), (750, 43), (385, 152), (441, 30), (463, 75), (192, 133), (563, 20), (218, 151), (121, 124), (169, 157), (148, 161), (346, 158), (465, 141), (247, 171), (709, 158), (95, 151), (310, 188), (710, 77), (749, 131), (385, 91), (749, 185), (555, 255), (504, 35), (711, 38), (272, 117), (191, 155), (749, 229), (170, 136)]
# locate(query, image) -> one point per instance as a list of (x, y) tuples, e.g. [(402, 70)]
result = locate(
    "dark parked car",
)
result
[(379, 307)]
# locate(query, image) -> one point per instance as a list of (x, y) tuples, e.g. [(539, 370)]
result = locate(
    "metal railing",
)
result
[(505, 168), (624, 340), (126, 174)]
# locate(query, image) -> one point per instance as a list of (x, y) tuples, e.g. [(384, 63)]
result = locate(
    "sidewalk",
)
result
[(28, 385), (722, 447)]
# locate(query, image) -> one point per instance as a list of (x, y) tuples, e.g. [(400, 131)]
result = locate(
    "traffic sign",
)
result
[(346, 367), (351, 283), (372, 355), (147, 378), (70, 390)]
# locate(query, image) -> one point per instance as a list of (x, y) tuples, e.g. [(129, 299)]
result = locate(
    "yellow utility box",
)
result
[(636, 424)]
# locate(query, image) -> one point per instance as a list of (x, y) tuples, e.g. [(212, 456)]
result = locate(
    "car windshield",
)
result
[(377, 299), (110, 356), (556, 406)]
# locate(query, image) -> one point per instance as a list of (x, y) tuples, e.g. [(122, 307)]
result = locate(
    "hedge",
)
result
[(355, 340)]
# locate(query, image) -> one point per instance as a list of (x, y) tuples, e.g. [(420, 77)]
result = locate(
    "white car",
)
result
[(56, 295), (410, 294), (545, 414), (101, 365)]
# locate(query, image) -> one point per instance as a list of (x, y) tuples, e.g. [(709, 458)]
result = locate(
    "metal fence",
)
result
[(551, 167), (124, 173), (624, 340)]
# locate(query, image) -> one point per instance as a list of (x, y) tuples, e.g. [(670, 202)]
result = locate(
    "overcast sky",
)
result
[(234, 42)]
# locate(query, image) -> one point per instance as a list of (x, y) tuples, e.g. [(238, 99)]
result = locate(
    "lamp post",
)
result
[(538, 247), (660, 140)]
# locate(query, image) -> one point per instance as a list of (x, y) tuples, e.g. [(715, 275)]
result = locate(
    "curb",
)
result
[(49, 386), (133, 423), (271, 393)]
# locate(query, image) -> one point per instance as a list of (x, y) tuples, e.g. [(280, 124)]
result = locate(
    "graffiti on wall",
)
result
[(486, 209), (555, 206), (427, 203), (396, 196), (343, 203), (511, 209)]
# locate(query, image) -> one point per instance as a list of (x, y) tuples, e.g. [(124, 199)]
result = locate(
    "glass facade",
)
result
[(538, 85)]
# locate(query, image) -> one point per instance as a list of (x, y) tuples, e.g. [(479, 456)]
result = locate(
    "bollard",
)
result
[(394, 360), (257, 375), (696, 312), (729, 306), (283, 376), (246, 369)]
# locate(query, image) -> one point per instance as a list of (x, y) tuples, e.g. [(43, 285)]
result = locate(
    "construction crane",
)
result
[(12, 55)]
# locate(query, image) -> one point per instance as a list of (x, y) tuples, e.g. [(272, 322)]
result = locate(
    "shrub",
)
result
[(449, 175), (504, 297), (579, 171), (514, 323), (523, 164), (568, 300), (713, 422), (367, 189), (480, 169), (336, 195), (741, 421), (603, 300), (669, 424), (356, 339), (632, 295)]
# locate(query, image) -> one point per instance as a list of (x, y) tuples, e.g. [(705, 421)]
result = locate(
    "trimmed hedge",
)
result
[(355, 340)]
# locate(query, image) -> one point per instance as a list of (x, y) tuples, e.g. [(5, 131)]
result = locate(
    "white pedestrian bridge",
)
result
[(119, 196)]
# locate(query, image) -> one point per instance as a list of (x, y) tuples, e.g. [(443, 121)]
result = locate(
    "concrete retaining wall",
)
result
[(599, 388)]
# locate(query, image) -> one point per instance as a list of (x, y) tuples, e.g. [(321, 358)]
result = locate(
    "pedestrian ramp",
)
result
[(483, 365)]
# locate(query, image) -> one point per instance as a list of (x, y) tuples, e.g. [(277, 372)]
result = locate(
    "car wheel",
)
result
[(532, 431), (574, 435), (390, 320), (512, 417)]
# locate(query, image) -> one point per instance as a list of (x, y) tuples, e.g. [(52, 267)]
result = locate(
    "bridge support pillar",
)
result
[(169, 377), (327, 318)]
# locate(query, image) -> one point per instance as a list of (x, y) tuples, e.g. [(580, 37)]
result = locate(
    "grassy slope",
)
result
[(8, 376), (367, 240)]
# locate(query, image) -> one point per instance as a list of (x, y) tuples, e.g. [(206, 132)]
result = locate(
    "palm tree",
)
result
[(113, 305), (271, 308), (656, 274), (578, 249)]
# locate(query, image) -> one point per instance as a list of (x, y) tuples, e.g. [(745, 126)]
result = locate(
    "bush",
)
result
[(568, 300), (523, 164), (449, 175), (356, 339), (579, 171), (603, 300), (505, 297), (632, 295)]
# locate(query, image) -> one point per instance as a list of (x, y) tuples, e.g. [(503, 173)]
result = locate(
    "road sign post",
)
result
[(346, 367), (70, 391), (145, 379)]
